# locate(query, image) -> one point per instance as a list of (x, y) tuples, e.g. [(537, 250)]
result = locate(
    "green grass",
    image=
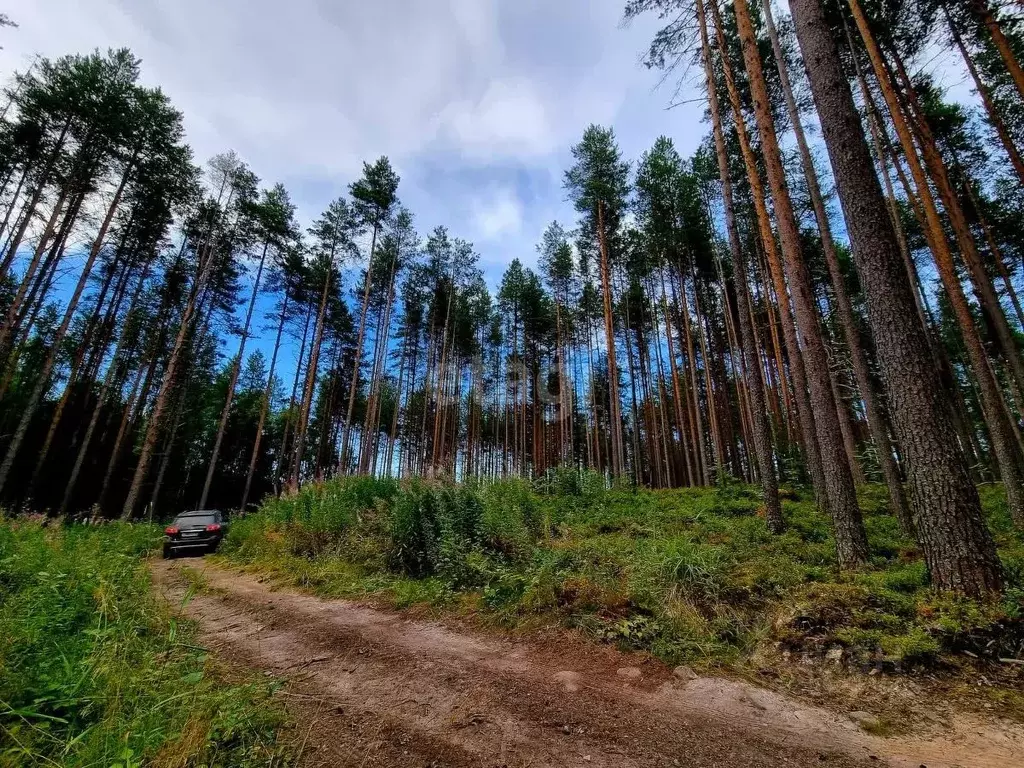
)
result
[(691, 575), (95, 671)]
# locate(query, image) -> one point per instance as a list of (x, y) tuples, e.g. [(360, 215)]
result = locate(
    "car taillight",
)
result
[(213, 527), (170, 530)]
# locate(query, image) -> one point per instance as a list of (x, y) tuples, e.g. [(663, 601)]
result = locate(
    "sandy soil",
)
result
[(369, 687)]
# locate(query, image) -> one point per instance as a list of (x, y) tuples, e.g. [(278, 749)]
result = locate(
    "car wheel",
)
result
[(168, 553)]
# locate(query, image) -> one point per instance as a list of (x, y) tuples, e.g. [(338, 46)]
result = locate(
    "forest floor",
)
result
[(368, 686)]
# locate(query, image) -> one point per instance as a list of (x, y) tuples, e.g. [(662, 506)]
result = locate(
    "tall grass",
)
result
[(94, 671), (688, 574)]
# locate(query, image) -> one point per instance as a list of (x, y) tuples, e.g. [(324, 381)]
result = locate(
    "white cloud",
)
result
[(509, 118), (462, 95), (499, 214)]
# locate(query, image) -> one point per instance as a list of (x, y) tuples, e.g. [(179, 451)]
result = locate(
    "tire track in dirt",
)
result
[(374, 688)]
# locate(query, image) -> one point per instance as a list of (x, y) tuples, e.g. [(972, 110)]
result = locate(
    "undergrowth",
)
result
[(95, 671), (692, 575)]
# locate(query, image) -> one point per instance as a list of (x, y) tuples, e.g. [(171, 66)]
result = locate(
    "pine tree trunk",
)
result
[(10, 209), (79, 358), (371, 422), (702, 455), (284, 469), (677, 397), (805, 413), (311, 371), (1004, 441), (167, 383), (877, 421), (268, 393), (984, 14), (958, 549), (762, 430), (43, 380), (108, 379), (609, 333), (235, 368), (44, 179), (986, 98), (994, 250), (984, 289), (8, 328), (359, 349), (851, 540)]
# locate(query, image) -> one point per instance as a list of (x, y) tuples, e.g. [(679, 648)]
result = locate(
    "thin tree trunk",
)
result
[(984, 289), (702, 455), (265, 406), (958, 549), (101, 398), (311, 371), (76, 365), (993, 247), (7, 330), (986, 98), (762, 440), (167, 383), (994, 406), (877, 421), (42, 381), (44, 179), (10, 209), (806, 415), (359, 349), (609, 332), (283, 468), (851, 539), (985, 16), (235, 368)]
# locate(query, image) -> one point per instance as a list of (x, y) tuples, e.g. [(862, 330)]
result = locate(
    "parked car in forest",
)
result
[(191, 531)]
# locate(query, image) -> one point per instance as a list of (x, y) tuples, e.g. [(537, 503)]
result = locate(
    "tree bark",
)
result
[(359, 349), (851, 539), (265, 407), (877, 420), (985, 16), (986, 98), (609, 333), (167, 382), (762, 429), (805, 413), (959, 551), (1004, 441)]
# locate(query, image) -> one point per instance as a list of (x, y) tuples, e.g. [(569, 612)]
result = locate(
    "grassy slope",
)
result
[(690, 575), (94, 671)]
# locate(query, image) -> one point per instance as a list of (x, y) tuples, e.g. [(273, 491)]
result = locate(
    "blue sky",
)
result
[(476, 102)]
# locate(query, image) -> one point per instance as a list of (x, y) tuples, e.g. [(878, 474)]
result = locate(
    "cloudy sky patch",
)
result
[(476, 102)]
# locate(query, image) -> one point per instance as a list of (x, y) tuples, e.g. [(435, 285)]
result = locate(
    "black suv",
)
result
[(201, 529)]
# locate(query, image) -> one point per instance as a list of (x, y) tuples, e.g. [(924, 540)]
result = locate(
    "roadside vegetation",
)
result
[(96, 671), (691, 575)]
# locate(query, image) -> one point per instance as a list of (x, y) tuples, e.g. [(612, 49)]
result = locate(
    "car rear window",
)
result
[(197, 518)]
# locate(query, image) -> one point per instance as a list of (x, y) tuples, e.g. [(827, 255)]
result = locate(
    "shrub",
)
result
[(685, 573)]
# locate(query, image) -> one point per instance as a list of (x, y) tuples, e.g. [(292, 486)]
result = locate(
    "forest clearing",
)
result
[(364, 623), (724, 407)]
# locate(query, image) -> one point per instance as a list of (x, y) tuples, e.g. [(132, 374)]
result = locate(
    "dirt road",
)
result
[(379, 688)]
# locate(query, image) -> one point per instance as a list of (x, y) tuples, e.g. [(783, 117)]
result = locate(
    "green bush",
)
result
[(687, 573)]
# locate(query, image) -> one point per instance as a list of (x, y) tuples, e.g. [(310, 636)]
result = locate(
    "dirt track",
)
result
[(378, 688)]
